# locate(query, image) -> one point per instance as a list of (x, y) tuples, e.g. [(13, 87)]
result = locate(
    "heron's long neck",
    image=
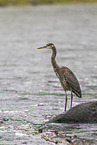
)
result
[(53, 61)]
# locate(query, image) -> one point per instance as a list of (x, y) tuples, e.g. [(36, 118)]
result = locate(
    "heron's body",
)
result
[(67, 78)]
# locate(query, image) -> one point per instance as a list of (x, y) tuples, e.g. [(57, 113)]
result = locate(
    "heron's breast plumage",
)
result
[(61, 78)]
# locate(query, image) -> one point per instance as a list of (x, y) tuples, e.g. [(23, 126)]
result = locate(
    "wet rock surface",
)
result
[(59, 138), (82, 113)]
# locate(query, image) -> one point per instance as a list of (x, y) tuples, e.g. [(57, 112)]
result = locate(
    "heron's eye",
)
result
[(51, 45)]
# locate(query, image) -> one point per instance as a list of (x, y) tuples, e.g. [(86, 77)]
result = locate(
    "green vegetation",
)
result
[(14, 2), (65, 1), (33, 2)]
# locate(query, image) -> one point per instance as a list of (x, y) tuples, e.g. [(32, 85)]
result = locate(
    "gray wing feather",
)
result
[(71, 81)]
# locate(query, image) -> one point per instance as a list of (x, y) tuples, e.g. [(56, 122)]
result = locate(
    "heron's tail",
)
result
[(78, 93)]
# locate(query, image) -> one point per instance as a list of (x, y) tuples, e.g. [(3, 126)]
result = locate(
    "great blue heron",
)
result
[(67, 78)]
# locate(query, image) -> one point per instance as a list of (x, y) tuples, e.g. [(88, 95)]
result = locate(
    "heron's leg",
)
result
[(65, 100), (71, 99)]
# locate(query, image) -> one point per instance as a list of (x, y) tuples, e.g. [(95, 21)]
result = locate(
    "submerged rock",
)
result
[(82, 113)]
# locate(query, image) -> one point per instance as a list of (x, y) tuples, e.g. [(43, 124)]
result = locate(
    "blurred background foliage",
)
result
[(36, 2)]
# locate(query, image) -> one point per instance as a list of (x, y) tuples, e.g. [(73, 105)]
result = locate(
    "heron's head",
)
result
[(48, 46)]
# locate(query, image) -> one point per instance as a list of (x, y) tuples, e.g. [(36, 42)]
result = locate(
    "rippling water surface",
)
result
[(30, 93)]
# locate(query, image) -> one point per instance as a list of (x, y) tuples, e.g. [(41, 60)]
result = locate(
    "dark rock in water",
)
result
[(2, 120), (82, 113)]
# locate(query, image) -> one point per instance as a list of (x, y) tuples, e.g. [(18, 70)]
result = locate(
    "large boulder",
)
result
[(82, 113)]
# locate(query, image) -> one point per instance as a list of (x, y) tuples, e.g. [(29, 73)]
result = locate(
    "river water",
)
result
[(30, 93)]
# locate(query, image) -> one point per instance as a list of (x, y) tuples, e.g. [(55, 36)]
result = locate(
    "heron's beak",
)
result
[(42, 47)]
